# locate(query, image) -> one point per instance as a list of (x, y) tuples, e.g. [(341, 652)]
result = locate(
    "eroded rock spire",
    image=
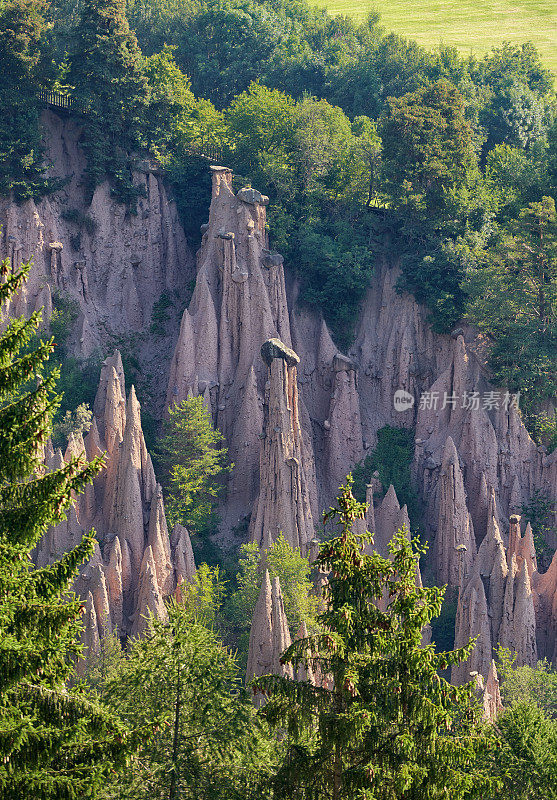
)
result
[(283, 505)]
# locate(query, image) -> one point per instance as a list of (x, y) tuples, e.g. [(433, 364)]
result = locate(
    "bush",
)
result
[(391, 458)]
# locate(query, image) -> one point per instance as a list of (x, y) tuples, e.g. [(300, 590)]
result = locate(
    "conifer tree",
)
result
[(110, 92), (207, 744), (21, 168), (380, 723), (196, 463), (54, 742)]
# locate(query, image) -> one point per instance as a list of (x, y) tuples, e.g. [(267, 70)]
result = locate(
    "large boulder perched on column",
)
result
[(274, 348)]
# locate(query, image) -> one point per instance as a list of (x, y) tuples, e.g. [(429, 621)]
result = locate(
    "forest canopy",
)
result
[(366, 143)]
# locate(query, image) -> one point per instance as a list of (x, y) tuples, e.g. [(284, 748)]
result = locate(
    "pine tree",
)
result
[(183, 683), (21, 158), (380, 723), (54, 742), (110, 91), (195, 462)]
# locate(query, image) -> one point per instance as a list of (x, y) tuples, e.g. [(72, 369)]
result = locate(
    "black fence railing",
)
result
[(206, 150), (57, 100), (65, 102)]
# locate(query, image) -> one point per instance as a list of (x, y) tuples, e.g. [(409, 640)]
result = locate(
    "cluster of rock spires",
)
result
[(295, 422), (136, 564), (112, 265), (505, 600)]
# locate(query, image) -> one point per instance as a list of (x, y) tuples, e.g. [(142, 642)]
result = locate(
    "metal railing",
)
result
[(65, 102), (57, 100)]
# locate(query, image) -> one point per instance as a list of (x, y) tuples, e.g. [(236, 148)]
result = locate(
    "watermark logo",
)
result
[(403, 400), (472, 401)]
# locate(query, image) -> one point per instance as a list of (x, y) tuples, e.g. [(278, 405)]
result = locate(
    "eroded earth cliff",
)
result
[(296, 415)]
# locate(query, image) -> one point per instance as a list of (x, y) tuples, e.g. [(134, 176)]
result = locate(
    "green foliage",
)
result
[(430, 174), (78, 379), (527, 761), (110, 89), (182, 685), (77, 383), (292, 569), (64, 315), (528, 753), (538, 511), (515, 176), (543, 427), (443, 626), (518, 113), (428, 148), (22, 27), (73, 423), (383, 724), (391, 458), (176, 126), (315, 166), (159, 314), (512, 292), (535, 686), (195, 463), (203, 597), (54, 742), (83, 221)]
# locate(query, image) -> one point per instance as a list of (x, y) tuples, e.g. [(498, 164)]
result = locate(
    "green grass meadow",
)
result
[(474, 26)]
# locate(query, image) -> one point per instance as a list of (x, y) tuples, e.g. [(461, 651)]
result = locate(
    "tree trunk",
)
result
[(174, 789), (337, 772)]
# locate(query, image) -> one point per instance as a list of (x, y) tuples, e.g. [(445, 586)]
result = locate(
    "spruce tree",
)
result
[(196, 464), (110, 93), (380, 722), (183, 682), (21, 158), (54, 742)]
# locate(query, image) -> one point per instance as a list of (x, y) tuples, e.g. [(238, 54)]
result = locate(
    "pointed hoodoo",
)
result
[(113, 574), (518, 623), (344, 443), (101, 600), (546, 611), (472, 620), (281, 632), (239, 302), (455, 545), (283, 505), (150, 601), (514, 537), (492, 705), (89, 636), (527, 551), (387, 518), (126, 507), (113, 362), (524, 619), (269, 635), (260, 653), (183, 558), (159, 542)]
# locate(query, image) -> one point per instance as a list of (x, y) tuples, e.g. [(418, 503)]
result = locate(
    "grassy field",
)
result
[(472, 25)]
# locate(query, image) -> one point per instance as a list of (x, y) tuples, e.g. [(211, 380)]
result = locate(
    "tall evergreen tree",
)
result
[(21, 159), (196, 463), (110, 91), (183, 682), (380, 723), (54, 742)]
